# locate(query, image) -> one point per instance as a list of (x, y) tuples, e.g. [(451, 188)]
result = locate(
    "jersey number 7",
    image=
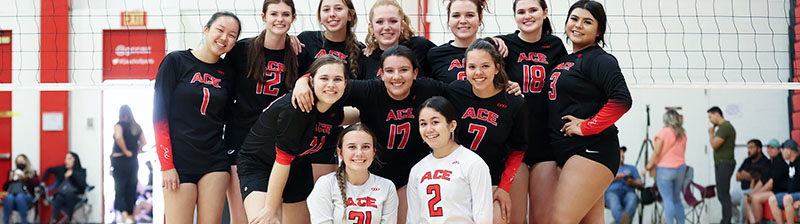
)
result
[(479, 131)]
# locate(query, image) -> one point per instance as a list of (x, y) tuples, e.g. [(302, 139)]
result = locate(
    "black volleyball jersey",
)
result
[(369, 66), (491, 127), (283, 132), (445, 63), (251, 97), (528, 64), (317, 45), (394, 122), (188, 112), (587, 84)]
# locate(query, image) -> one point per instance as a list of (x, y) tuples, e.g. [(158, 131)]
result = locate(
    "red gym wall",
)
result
[(54, 58), (794, 100), (5, 101)]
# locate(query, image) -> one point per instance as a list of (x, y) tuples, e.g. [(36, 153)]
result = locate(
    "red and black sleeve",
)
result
[(293, 125), (605, 72), (518, 144), (166, 80)]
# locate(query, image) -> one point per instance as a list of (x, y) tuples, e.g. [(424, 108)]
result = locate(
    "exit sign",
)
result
[(129, 19)]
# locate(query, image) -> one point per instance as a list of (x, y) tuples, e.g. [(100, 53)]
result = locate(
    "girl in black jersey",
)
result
[(338, 17), (446, 62), (389, 26), (533, 51), (587, 94), (493, 123), (266, 68), (191, 93), (274, 167)]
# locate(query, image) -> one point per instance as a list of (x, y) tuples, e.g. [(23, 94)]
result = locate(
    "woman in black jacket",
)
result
[(71, 182)]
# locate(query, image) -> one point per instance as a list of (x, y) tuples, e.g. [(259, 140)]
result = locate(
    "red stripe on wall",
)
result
[(54, 58), (5, 133)]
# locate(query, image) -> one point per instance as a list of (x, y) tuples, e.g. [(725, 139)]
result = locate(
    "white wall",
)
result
[(671, 49)]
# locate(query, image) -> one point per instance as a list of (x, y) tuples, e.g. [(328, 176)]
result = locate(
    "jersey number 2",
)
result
[(360, 217), (395, 130), (434, 211), (532, 78)]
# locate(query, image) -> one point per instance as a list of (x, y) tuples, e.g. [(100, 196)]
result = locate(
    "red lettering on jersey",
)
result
[(400, 114), (565, 65), (456, 63), (341, 55), (437, 174), (362, 202), (532, 56), (482, 114), (275, 66), (324, 128), (206, 79)]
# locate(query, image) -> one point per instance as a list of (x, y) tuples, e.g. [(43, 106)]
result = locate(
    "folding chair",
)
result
[(697, 207)]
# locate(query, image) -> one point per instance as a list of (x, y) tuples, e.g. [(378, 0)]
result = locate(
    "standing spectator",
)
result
[(669, 147), (20, 187), (128, 143), (723, 141), (755, 158), (620, 195)]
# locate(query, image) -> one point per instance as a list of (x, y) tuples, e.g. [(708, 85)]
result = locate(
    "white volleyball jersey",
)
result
[(453, 189), (373, 202)]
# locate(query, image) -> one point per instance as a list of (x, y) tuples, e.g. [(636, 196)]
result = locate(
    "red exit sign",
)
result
[(129, 19)]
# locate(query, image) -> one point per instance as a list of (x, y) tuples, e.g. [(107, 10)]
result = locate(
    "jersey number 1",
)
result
[(434, 211), (394, 130), (206, 96), (360, 217)]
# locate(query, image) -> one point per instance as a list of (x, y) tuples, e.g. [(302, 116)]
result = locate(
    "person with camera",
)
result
[(20, 186), (620, 195)]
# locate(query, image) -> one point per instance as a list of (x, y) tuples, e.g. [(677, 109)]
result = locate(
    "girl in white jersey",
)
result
[(452, 184), (352, 194)]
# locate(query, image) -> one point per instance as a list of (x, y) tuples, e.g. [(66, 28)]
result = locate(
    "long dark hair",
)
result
[(216, 16), (77, 164), (547, 29), (444, 107), (480, 4), (487, 44), (400, 51), (325, 60), (256, 61), (596, 9), (350, 40), (126, 116)]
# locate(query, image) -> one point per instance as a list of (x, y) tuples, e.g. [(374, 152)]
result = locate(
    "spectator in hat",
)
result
[(789, 198), (774, 177)]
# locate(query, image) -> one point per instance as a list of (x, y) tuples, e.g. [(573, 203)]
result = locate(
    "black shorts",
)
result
[(254, 176), (604, 150), (541, 153), (194, 177)]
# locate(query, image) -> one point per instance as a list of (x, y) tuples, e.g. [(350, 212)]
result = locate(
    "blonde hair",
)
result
[(29, 172), (674, 120), (405, 23)]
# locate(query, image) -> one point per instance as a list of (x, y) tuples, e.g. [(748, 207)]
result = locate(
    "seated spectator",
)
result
[(20, 187), (71, 183), (773, 180), (620, 195), (787, 198), (754, 157)]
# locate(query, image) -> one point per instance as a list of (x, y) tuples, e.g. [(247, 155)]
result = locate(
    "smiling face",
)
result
[(279, 18), (582, 28), (529, 16), (464, 19), (434, 128), (481, 71), (386, 25), (357, 151), (398, 76), (334, 15), (329, 83), (221, 35)]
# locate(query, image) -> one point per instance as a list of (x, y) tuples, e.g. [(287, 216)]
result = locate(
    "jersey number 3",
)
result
[(434, 211), (360, 217), (553, 79)]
